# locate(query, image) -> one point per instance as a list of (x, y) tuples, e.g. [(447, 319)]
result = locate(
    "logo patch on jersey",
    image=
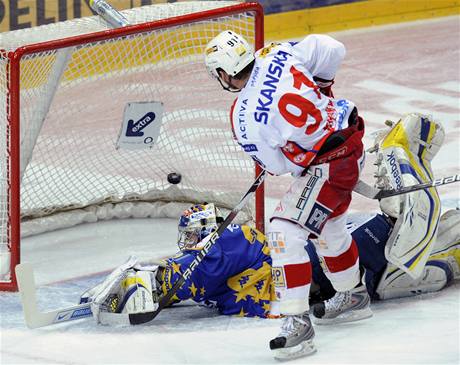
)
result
[(250, 148), (298, 159), (276, 242), (278, 277), (266, 50), (345, 106), (317, 218)]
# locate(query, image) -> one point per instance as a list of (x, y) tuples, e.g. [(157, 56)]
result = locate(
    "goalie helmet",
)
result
[(228, 51), (196, 223)]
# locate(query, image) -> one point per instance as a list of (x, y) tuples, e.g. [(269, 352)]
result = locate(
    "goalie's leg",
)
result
[(403, 159), (441, 269)]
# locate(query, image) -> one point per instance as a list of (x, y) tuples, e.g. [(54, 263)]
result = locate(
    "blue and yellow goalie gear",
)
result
[(235, 275)]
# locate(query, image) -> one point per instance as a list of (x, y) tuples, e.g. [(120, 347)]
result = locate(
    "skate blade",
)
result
[(351, 316), (305, 348)]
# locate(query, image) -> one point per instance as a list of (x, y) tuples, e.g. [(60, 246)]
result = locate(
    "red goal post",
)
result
[(65, 87)]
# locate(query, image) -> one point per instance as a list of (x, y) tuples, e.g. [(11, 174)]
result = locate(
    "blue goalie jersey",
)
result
[(235, 275)]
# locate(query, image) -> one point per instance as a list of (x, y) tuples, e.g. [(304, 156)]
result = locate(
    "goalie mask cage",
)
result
[(64, 87)]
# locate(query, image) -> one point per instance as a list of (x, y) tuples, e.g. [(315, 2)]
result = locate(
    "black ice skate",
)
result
[(295, 339), (347, 306)]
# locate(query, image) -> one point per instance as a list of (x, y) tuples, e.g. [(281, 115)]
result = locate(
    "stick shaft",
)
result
[(373, 193)]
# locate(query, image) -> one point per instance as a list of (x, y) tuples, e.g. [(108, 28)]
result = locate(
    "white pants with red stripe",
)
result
[(315, 207), (291, 268)]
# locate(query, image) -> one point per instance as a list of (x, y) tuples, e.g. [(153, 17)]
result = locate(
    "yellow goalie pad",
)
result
[(404, 159)]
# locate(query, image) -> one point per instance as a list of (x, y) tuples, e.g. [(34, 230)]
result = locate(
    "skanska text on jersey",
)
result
[(271, 80)]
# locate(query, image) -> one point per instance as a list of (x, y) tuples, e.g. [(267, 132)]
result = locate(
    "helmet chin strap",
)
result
[(228, 86)]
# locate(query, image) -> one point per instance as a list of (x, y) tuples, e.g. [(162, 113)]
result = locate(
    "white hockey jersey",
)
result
[(280, 117)]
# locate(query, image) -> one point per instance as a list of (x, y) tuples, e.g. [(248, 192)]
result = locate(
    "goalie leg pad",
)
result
[(404, 156), (442, 267), (447, 246), (395, 283), (137, 293)]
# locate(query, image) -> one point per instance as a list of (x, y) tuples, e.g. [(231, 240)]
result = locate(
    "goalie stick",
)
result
[(375, 193), (32, 315), (34, 318), (139, 318)]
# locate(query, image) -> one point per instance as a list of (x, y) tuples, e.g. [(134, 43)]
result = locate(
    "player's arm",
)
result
[(322, 56)]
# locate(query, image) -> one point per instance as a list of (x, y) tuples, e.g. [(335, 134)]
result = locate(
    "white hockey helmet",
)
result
[(196, 223), (228, 51)]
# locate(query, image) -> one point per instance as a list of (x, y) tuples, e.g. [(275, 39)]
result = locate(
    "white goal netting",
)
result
[(72, 93)]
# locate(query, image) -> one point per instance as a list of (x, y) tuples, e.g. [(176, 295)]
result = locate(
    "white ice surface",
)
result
[(419, 330)]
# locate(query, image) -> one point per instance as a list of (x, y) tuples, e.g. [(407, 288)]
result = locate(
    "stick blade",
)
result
[(26, 285), (33, 317)]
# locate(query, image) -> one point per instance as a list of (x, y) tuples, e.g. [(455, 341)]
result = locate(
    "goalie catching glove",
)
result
[(130, 288)]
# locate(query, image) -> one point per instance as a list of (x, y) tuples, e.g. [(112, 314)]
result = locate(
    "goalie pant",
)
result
[(235, 276), (384, 280)]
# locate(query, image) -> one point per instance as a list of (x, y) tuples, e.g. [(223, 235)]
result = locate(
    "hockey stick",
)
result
[(374, 193), (33, 317), (139, 318)]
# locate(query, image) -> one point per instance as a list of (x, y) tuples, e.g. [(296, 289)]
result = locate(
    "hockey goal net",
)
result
[(65, 87)]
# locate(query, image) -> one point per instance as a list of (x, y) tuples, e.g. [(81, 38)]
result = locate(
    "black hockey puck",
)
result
[(174, 178)]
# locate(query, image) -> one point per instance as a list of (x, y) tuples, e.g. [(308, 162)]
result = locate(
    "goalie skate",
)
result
[(295, 339), (348, 306)]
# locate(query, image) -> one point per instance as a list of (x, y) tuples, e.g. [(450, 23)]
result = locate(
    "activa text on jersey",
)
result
[(241, 121), (271, 80)]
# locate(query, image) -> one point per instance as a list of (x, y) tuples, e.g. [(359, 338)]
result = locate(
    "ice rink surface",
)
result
[(388, 71)]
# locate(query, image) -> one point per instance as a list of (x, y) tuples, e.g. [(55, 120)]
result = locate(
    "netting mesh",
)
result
[(71, 107)]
